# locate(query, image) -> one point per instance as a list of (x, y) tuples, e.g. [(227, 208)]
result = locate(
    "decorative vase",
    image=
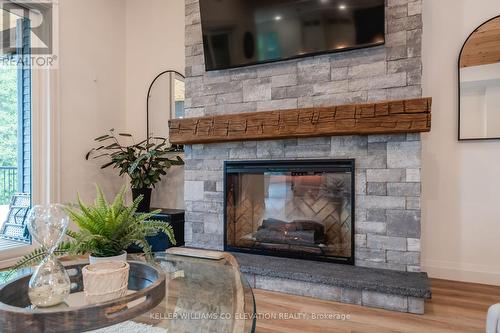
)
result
[(50, 283), (105, 281), (95, 260), (145, 204)]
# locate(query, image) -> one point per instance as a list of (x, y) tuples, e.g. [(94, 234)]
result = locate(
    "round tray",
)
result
[(146, 282)]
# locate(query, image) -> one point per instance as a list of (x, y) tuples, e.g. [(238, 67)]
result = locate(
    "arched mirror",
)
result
[(165, 101), (479, 80)]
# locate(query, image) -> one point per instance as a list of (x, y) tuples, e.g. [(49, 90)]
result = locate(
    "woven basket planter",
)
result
[(105, 281)]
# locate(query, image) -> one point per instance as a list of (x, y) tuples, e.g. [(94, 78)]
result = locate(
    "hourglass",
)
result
[(50, 284)]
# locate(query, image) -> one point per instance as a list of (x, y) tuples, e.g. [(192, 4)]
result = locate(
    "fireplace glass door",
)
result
[(291, 208)]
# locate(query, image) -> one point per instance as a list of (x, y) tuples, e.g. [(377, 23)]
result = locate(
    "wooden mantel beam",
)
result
[(404, 116)]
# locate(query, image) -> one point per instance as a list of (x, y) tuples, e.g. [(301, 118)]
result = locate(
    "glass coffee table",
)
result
[(202, 295)]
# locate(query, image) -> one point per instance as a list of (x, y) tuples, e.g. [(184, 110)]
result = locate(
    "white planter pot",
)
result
[(95, 260), (105, 281)]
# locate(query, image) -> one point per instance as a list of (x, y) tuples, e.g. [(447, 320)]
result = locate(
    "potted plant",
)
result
[(144, 162), (106, 230)]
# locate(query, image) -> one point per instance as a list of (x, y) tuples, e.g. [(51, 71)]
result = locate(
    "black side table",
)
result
[(161, 242)]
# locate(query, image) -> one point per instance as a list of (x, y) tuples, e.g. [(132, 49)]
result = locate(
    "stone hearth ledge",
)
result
[(372, 287)]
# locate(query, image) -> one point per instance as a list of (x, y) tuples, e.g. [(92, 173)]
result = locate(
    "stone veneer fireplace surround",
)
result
[(388, 167)]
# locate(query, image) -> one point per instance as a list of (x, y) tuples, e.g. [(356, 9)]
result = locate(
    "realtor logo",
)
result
[(27, 32)]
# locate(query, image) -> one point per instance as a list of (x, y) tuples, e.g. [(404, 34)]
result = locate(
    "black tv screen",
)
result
[(247, 32)]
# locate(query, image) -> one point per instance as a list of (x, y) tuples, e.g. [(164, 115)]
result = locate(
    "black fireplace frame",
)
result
[(331, 165)]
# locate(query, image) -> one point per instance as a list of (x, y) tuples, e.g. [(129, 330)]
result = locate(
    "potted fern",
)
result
[(145, 162), (106, 230)]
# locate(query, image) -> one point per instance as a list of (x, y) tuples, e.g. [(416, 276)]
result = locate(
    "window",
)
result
[(15, 125)]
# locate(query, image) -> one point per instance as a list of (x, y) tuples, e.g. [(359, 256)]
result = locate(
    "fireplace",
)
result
[(300, 209)]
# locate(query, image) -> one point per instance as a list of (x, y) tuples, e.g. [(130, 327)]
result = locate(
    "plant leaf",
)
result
[(107, 165), (102, 137)]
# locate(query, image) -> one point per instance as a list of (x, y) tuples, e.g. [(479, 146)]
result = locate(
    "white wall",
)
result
[(92, 89), (154, 43), (461, 181), (109, 53)]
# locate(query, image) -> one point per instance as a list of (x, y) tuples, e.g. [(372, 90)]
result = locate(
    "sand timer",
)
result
[(50, 284)]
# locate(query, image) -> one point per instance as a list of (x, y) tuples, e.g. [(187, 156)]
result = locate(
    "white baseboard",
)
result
[(462, 272)]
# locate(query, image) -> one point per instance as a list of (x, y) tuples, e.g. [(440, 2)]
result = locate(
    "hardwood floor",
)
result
[(455, 307)]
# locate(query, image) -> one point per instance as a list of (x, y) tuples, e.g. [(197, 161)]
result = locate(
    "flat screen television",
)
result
[(247, 32)]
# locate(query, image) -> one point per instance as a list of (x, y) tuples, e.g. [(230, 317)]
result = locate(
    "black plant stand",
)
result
[(161, 242)]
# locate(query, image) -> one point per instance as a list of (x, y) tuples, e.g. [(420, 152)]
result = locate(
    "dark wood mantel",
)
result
[(404, 116)]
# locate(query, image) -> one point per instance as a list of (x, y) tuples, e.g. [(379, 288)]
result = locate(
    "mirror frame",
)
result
[(459, 85), (180, 148)]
